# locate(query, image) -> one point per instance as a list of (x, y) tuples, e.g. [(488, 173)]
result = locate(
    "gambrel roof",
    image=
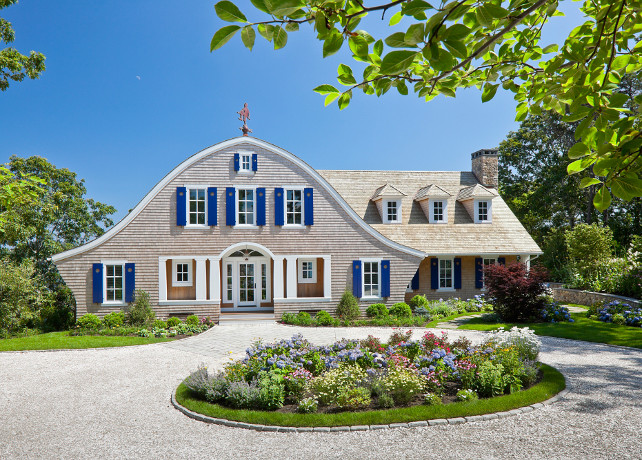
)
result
[(505, 235)]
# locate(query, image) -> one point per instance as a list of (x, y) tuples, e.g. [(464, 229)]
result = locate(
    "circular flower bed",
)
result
[(293, 376)]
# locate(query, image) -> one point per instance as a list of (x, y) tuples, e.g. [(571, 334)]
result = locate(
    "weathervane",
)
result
[(244, 115)]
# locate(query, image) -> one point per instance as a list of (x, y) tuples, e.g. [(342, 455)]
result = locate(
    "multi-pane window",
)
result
[(487, 262), (182, 273), (392, 211), (228, 285), (293, 207), (197, 206), (246, 207), (482, 211), (371, 279), (245, 163), (438, 211), (264, 282), (445, 274), (113, 283), (307, 271)]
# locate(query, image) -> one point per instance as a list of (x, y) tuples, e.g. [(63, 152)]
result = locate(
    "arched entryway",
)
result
[(246, 278)]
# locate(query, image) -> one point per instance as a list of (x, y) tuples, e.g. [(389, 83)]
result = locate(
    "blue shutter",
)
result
[(385, 278), (260, 206), (479, 272), (501, 260), (130, 282), (434, 273), (356, 278), (255, 160), (181, 206), (230, 206), (457, 272), (308, 205), (278, 206), (236, 162), (97, 285), (414, 284), (212, 217)]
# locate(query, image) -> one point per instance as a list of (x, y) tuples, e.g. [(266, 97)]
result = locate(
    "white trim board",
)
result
[(213, 149)]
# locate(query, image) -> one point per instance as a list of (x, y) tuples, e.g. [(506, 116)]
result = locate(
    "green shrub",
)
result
[(431, 399), (467, 395), (217, 388), (588, 246), (402, 384), (619, 319), (353, 398), (143, 333), (328, 386), (89, 321), (288, 318), (323, 318), (377, 310), (303, 318), (114, 319), (308, 406), (401, 310), (422, 312), (419, 301), (192, 320), (140, 313), (243, 395), (271, 391), (22, 295), (348, 308), (489, 381), (385, 401), (173, 321), (159, 324)]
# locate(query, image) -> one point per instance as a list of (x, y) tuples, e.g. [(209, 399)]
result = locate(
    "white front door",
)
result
[(247, 284)]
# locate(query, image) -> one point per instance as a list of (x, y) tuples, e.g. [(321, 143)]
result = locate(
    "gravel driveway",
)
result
[(115, 403)]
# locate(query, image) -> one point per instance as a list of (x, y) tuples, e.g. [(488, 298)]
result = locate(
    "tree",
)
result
[(16, 195), (13, 65), (485, 44)]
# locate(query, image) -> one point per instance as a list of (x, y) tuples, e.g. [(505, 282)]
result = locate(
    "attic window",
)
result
[(391, 211), (245, 163), (483, 211)]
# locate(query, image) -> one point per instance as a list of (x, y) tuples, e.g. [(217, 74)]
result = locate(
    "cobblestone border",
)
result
[(334, 429)]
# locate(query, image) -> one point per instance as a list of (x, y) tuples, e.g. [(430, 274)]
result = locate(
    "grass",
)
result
[(552, 383), (583, 328), (62, 340)]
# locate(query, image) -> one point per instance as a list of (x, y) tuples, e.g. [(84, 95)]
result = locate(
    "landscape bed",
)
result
[(293, 383)]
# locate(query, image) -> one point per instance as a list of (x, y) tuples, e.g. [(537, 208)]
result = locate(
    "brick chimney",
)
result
[(485, 167)]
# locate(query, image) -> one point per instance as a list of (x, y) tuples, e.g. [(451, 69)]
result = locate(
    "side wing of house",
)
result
[(240, 226)]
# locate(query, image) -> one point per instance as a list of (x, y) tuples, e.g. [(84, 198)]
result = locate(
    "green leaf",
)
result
[(229, 12), (248, 36), (320, 24), (396, 62), (579, 165), (261, 5), (394, 20), (588, 181), (457, 31), (495, 11), (626, 188), (292, 27), (266, 31), (332, 44), (282, 8), (550, 49), (579, 150), (396, 40), (415, 7), (344, 100), (577, 114), (325, 89), (402, 88), (359, 46), (414, 34), (378, 48), (280, 37), (330, 98), (489, 92), (602, 199), (483, 16), (222, 36), (619, 63), (457, 48)]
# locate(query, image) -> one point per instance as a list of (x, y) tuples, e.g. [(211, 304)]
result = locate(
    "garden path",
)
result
[(114, 403)]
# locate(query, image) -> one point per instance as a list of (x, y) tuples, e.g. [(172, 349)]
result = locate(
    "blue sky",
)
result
[(131, 90)]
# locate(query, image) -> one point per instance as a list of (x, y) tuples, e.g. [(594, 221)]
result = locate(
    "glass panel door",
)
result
[(246, 284)]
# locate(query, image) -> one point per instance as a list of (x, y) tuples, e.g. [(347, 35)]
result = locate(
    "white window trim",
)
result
[(190, 277), (285, 206), (113, 262), (452, 275), (236, 203), (363, 274), (384, 203), (483, 288), (189, 187), (431, 214), (314, 271), (490, 211), (245, 172)]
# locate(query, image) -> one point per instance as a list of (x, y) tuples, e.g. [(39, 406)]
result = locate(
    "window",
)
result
[(264, 282), (486, 263), (391, 211), (445, 274), (371, 279), (308, 271), (293, 207), (245, 207), (196, 209), (182, 273), (229, 292), (483, 211), (114, 283), (245, 162)]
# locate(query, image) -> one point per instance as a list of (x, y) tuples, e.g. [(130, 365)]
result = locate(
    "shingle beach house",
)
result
[(245, 226)]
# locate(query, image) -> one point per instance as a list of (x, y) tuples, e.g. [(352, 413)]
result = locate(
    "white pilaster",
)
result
[(526, 260), (162, 279), (327, 277), (291, 274), (215, 279), (278, 277), (201, 279)]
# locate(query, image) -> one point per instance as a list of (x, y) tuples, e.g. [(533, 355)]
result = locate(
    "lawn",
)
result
[(583, 328), (62, 340)]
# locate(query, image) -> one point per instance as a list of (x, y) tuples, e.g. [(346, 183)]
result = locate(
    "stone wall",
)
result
[(589, 298)]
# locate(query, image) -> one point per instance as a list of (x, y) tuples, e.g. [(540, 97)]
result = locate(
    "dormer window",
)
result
[(438, 212), (392, 211), (483, 211)]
